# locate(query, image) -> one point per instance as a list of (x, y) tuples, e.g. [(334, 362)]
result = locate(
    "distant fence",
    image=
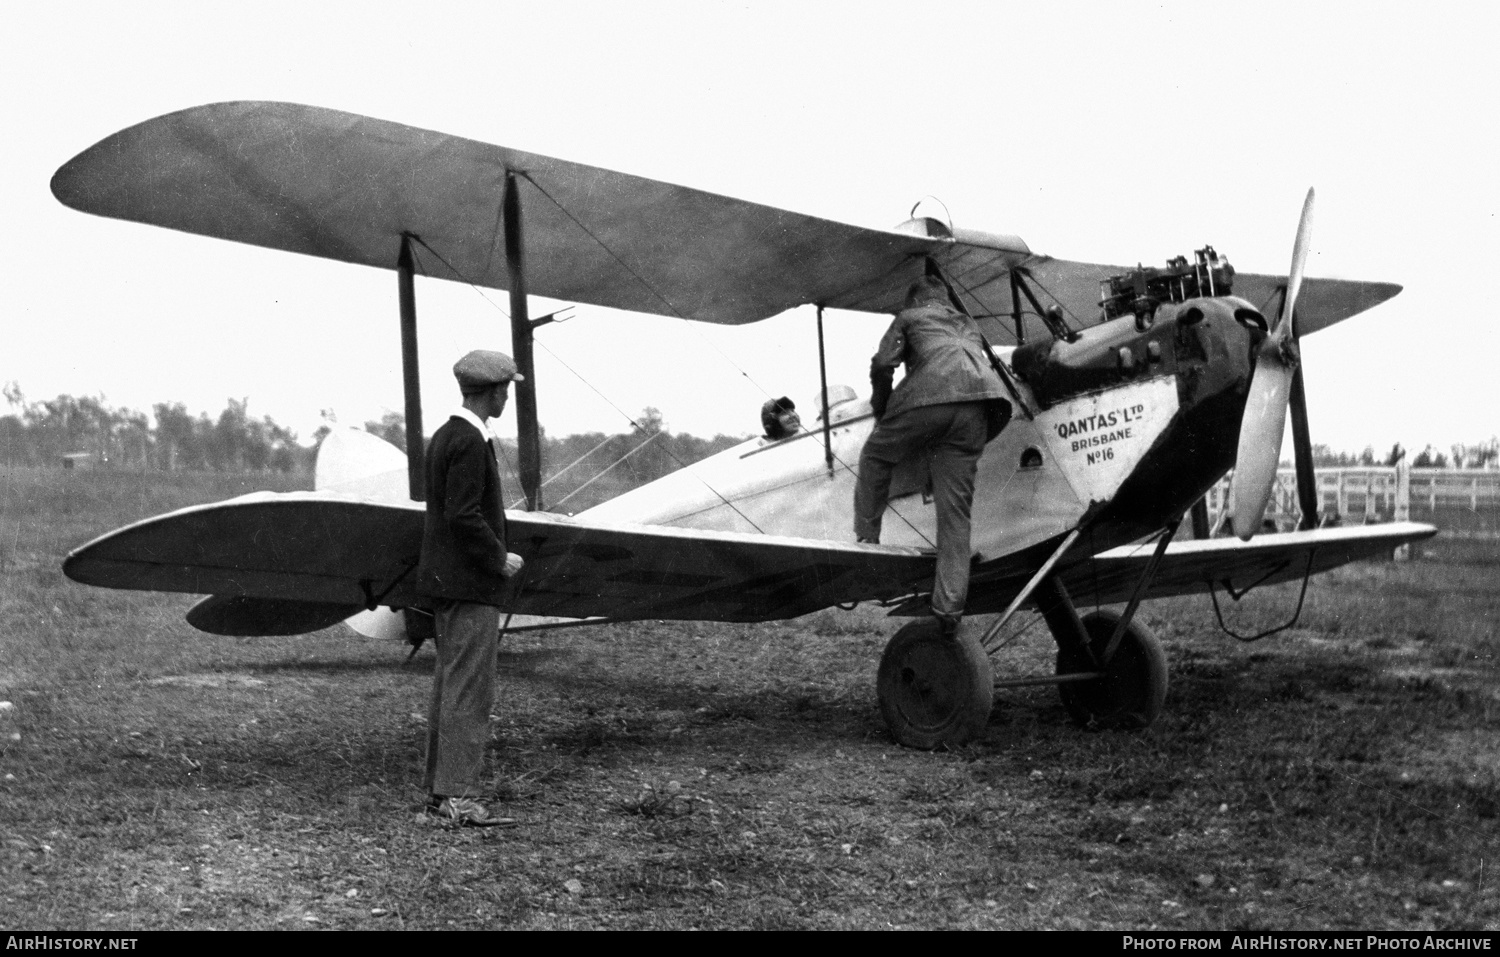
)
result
[(1463, 503)]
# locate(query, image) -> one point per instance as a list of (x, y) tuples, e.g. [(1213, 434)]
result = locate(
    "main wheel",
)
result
[(934, 690), (1134, 686)]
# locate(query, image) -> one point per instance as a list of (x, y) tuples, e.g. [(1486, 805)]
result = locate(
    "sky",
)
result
[(1118, 133)]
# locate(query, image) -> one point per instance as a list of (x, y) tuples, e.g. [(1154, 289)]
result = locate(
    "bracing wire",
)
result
[(1077, 322), (1025, 312), (560, 472), (496, 306), (696, 331), (894, 511), (647, 286), (666, 448), (617, 462), (512, 474), (608, 468), (631, 419), (675, 311)]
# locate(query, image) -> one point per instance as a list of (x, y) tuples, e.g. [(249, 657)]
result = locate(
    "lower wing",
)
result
[(293, 562), (1191, 567)]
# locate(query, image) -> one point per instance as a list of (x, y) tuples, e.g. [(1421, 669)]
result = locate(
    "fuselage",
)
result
[(1130, 427)]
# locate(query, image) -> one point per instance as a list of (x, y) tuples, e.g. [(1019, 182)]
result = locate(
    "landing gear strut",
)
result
[(1124, 688), (1133, 686), (937, 691)]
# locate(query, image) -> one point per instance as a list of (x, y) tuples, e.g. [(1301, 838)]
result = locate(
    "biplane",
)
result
[(1135, 390)]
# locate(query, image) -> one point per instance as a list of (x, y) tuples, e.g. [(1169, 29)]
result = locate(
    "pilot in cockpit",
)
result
[(779, 418)]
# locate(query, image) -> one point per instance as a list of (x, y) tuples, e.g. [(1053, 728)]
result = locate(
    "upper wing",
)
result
[(1075, 287), (306, 559), (348, 187), (1190, 567)]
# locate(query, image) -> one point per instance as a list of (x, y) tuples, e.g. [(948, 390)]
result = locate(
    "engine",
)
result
[(1142, 290)]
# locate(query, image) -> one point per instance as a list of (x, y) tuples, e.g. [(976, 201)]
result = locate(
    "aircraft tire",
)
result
[(1133, 690), (934, 691)]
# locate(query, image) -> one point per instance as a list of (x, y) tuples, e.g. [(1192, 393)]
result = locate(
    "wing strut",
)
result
[(1015, 307), (823, 377), (1051, 318), (406, 293), (1201, 527), (528, 444), (1307, 476)]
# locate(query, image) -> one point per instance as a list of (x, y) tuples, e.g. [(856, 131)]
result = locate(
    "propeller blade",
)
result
[(1307, 493), (1299, 264), (1259, 451)]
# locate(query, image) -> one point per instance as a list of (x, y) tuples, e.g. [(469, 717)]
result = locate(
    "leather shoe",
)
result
[(465, 812)]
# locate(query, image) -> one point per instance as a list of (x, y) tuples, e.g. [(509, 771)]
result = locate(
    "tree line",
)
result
[(1477, 455), (43, 432), (582, 470), (37, 433), (171, 439)]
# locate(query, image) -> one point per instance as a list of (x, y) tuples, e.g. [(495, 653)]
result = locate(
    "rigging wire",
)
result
[(696, 331), (640, 428), (512, 474), (1024, 312), (1017, 635), (611, 467), (596, 476), (548, 481), (894, 511), (675, 311), (1079, 323), (667, 448), (496, 306), (648, 287)]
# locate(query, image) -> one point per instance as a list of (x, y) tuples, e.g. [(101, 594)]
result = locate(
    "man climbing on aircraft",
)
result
[(949, 404), (462, 570)]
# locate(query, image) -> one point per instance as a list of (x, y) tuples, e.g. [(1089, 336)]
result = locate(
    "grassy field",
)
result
[(1340, 775)]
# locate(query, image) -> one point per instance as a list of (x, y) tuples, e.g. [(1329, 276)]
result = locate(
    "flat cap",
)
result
[(482, 368)]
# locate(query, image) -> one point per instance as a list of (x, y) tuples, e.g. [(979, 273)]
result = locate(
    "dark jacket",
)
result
[(463, 539)]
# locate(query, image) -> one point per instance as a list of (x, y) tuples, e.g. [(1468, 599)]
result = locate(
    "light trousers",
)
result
[(463, 693), (953, 437)]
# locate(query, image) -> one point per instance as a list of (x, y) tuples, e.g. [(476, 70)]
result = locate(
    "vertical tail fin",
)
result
[(354, 462)]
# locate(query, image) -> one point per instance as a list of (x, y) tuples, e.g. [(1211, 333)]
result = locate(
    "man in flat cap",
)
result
[(462, 576), (949, 404)]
